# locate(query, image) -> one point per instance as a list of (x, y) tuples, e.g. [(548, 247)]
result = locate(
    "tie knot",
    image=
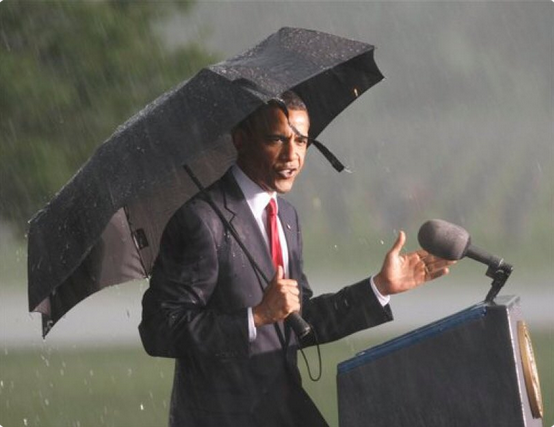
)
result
[(272, 208)]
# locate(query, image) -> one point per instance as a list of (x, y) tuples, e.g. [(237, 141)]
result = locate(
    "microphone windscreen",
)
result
[(443, 239)]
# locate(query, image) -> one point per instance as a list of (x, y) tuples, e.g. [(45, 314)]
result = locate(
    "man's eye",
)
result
[(302, 141), (275, 139)]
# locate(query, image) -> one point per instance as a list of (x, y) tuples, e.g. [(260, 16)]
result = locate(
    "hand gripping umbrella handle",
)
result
[(300, 327)]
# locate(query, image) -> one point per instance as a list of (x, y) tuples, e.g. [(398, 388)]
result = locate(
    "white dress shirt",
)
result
[(257, 199)]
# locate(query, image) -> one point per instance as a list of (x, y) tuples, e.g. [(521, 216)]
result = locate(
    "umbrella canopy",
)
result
[(105, 224)]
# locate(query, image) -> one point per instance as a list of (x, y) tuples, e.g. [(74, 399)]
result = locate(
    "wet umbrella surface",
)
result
[(104, 226)]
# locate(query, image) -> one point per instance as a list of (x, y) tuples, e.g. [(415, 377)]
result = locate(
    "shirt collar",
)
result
[(256, 197)]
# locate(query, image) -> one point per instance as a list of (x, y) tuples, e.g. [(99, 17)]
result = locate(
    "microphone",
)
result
[(452, 242)]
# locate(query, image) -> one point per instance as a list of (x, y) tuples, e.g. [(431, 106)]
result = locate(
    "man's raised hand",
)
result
[(402, 272)]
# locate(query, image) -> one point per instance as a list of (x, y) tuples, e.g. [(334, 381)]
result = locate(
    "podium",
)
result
[(472, 369)]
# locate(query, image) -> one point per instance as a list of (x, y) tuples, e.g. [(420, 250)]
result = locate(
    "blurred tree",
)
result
[(70, 73)]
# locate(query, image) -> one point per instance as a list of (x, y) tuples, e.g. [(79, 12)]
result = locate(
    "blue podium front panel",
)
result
[(464, 370)]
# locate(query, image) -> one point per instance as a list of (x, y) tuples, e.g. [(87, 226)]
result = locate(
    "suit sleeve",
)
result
[(352, 309), (178, 319)]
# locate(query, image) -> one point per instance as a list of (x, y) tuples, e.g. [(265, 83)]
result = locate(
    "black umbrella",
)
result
[(104, 226)]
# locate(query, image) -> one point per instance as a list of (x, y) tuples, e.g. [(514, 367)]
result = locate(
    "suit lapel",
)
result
[(288, 221), (242, 219)]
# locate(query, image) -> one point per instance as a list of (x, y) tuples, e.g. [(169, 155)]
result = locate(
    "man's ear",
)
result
[(239, 139)]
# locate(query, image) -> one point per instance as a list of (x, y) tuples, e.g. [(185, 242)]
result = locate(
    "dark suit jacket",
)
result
[(195, 310)]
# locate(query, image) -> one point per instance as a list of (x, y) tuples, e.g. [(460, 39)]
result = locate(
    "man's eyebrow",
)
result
[(282, 135), (297, 132)]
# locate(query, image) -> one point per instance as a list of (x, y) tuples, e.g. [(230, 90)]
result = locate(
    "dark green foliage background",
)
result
[(70, 73)]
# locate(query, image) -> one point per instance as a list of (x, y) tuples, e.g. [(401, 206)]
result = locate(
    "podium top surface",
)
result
[(474, 312)]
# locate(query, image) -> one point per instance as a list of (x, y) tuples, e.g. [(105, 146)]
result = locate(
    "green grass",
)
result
[(125, 387), (98, 387)]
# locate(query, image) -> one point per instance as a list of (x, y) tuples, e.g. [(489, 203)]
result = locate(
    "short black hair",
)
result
[(293, 101), (289, 98)]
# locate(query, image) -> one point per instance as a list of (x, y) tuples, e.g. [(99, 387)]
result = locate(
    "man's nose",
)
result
[(288, 149)]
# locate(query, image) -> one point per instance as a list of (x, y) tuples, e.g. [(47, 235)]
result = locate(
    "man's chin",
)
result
[(284, 187)]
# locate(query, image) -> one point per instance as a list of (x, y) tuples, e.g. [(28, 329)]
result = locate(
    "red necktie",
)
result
[(273, 234)]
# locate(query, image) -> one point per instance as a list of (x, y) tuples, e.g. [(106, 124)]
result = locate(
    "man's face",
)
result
[(272, 154)]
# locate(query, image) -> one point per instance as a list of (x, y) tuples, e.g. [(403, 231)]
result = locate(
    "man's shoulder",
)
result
[(218, 193), (286, 207)]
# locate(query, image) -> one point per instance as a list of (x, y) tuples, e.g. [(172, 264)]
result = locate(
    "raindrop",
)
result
[(25, 421), (316, 202), (46, 361), (141, 407), (129, 372), (382, 242), (46, 402)]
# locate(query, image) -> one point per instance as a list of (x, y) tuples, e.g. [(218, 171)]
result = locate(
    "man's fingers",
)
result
[(283, 285), (438, 273), (423, 254), (293, 289), (441, 263), (289, 286), (435, 263), (399, 244), (280, 273), (289, 296), (281, 298)]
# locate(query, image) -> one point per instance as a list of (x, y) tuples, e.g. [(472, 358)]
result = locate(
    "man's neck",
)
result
[(247, 183)]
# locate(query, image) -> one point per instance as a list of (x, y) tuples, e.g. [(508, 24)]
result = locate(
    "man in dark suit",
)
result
[(210, 309)]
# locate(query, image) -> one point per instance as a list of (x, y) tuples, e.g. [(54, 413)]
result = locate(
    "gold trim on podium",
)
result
[(530, 372)]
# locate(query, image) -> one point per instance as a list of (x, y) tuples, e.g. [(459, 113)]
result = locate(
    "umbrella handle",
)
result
[(300, 327)]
